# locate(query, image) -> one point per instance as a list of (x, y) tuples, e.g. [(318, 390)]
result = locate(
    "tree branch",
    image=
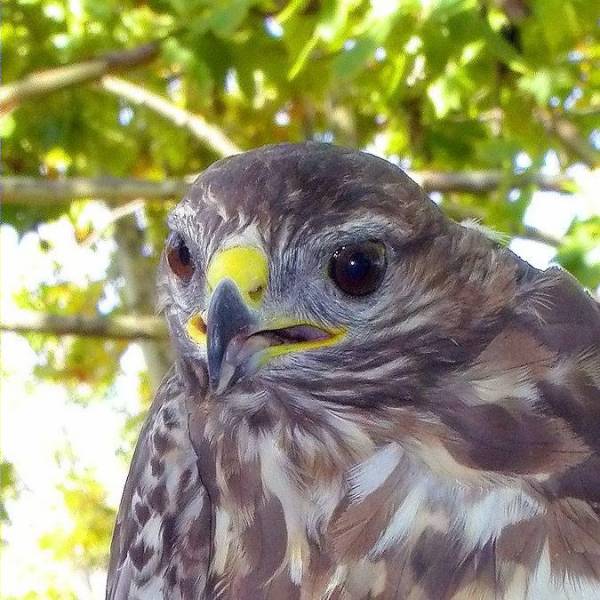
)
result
[(537, 235), (459, 213), (208, 134), (568, 134), (35, 191), (44, 82), (122, 327), (40, 191), (481, 182)]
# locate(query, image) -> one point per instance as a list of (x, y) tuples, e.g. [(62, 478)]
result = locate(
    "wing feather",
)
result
[(161, 540)]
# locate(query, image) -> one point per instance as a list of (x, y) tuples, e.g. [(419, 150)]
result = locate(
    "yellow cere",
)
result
[(246, 266), (196, 329)]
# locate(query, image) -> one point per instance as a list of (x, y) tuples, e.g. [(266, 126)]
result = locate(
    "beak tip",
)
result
[(226, 375), (228, 316)]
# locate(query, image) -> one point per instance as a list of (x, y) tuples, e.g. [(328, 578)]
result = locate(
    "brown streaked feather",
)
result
[(161, 541), (356, 526)]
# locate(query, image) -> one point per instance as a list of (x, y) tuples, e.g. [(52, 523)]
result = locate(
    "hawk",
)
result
[(369, 400)]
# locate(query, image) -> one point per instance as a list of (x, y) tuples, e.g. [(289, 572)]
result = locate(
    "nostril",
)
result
[(197, 324), (257, 293)]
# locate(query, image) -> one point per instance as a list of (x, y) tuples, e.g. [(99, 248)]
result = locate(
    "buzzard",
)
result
[(369, 400)]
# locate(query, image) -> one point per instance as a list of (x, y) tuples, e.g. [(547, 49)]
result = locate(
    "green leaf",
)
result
[(445, 95), (227, 16), (579, 251), (348, 63)]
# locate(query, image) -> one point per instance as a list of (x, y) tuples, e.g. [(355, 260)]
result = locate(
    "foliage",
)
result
[(576, 252), (8, 488), (85, 543), (50, 593), (439, 84)]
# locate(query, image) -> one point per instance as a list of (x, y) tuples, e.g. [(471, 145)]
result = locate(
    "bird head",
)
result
[(327, 274)]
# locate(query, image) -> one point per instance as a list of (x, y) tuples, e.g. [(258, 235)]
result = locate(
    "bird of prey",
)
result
[(369, 400)]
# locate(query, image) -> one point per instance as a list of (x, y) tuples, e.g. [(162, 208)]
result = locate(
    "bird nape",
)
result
[(369, 400)]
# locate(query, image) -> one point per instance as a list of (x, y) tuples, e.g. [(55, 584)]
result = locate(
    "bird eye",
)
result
[(358, 269), (180, 259)]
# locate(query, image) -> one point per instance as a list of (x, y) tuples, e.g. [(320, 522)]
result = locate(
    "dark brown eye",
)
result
[(358, 269), (180, 259)]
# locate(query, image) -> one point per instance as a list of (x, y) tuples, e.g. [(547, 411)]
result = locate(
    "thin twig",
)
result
[(569, 136), (117, 213), (459, 213), (201, 129)]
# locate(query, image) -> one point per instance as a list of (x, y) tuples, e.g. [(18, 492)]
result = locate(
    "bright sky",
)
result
[(37, 418)]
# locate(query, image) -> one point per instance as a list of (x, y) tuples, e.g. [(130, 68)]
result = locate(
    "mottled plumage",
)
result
[(435, 438)]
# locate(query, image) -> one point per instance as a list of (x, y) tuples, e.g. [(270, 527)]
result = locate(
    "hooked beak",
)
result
[(229, 323), (237, 342)]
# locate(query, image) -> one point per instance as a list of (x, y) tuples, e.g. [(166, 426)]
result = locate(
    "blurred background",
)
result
[(109, 109)]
